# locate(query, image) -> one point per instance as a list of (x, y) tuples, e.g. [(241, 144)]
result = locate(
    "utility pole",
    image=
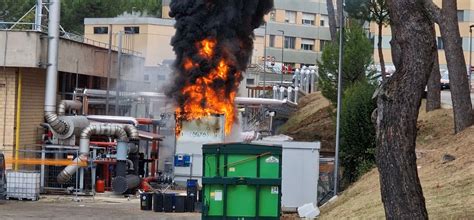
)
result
[(118, 83), (339, 95), (107, 94), (282, 52), (265, 61)]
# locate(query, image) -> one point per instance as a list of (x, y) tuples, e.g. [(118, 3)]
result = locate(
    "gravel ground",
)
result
[(100, 207)]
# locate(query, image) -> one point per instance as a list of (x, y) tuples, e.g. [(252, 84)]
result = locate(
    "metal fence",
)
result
[(34, 170)]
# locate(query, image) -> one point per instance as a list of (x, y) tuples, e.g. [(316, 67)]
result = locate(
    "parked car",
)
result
[(444, 81)]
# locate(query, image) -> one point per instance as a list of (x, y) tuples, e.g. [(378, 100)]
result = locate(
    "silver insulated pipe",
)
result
[(66, 105), (114, 130), (62, 125), (53, 45)]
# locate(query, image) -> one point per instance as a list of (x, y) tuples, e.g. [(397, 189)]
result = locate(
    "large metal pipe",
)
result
[(121, 184), (132, 131), (62, 125), (53, 45), (66, 105), (84, 146), (113, 119)]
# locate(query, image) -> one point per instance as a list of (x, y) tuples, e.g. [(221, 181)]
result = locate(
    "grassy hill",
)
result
[(312, 121), (448, 186)]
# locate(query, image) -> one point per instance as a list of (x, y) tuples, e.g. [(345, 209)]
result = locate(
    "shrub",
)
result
[(357, 149)]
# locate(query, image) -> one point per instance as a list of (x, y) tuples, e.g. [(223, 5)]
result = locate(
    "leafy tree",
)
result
[(73, 12), (357, 59), (373, 11), (357, 130), (13, 10)]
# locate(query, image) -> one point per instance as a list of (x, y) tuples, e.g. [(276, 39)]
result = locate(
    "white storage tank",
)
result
[(23, 185)]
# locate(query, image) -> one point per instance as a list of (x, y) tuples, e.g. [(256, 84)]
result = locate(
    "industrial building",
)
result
[(301, 27), (23, 79), (295, 33), (87, 114)]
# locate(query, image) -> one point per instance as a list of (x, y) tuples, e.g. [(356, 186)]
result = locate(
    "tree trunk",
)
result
[(433, 96), (459, 83), (332, 20), (398, 104), (379, 46)]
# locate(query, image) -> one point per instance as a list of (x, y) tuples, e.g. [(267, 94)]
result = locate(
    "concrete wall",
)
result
[(23, 49), (29, 49)]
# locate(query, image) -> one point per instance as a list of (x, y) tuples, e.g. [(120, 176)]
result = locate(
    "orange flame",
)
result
[(204, 100), (207, 48)]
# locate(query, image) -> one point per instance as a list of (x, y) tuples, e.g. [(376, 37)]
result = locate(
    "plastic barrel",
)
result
[(190, 203), (168, 202), (180, 204), (158, 202), (146, 200)]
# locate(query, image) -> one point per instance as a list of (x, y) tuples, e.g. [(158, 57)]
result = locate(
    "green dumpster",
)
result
[(241, 181)]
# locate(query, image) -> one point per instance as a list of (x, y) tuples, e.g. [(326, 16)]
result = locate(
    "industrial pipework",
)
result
[(117, 131), (61, 124), (53, 45)]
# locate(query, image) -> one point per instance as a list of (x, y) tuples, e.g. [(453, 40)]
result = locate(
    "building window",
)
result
[(460, 15), (161, 77), (322, 44), (273, 15), (290, 42), (146, 77), (323, 20), (132, 30), (440, 43), (272, 41), (307, 44), (101, 30), (308, 19), (250, 81), (290, 17)]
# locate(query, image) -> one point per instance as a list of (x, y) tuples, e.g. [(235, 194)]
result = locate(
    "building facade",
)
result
[(301, 27), (23, 81), (465, 17)]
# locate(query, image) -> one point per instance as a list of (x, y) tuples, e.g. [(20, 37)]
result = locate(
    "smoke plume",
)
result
[(213, 46)]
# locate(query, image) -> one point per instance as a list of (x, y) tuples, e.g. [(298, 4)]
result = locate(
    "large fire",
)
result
[(204, 99)]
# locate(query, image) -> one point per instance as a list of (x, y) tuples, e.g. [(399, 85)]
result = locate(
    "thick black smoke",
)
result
[(230, 23)]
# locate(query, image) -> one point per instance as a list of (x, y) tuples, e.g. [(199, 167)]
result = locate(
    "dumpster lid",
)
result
[(242, 148), (294, 144)]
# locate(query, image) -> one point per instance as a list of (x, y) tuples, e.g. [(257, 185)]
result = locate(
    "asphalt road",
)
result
[(59, 207), (446, 98)]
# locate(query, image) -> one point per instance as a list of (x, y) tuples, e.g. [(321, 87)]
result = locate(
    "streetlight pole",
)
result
[(118, 82), (282, 52), (265, 61), (339, 95), (470, 56)]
